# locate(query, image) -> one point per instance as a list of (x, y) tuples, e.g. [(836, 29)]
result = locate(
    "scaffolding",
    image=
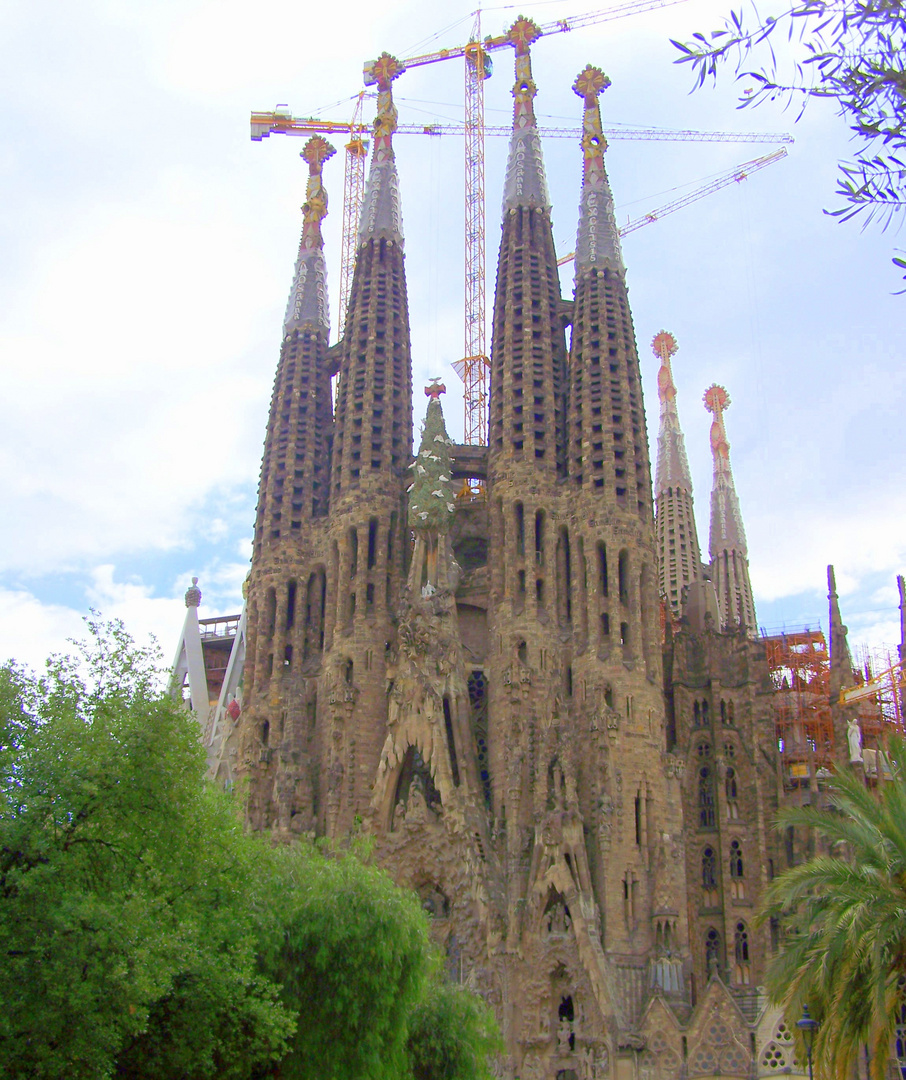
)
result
[(800, 675)]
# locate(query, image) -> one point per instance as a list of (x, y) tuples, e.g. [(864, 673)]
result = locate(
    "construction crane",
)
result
[(734, 176), (281, 122)]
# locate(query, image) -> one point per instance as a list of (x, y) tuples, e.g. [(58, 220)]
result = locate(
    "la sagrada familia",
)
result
[(555, 721)]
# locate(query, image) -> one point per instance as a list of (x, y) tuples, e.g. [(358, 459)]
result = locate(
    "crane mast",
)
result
[(474, 366)]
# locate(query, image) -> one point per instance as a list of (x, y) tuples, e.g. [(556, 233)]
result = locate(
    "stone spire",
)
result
[(381, 213), (528, 341), (679, 554), (727, 542), (525, 184), (308, 296), (598, 239)]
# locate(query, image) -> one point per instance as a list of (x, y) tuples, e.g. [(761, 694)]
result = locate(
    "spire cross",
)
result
[(385, 70), (435, 389), (590, 83), (522, 33)]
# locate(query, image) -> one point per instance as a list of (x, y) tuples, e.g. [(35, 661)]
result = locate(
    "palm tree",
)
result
[(844, 914)]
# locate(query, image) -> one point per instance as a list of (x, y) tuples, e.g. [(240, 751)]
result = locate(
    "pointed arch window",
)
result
[(737, 871), (742, 971)]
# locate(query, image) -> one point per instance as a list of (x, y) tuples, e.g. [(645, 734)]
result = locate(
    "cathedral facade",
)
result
[(555, 722)]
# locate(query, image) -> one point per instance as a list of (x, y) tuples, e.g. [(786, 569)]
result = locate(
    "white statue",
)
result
[(854, 735)]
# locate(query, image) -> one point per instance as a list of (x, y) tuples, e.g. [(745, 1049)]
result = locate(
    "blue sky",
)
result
[(148, 251)]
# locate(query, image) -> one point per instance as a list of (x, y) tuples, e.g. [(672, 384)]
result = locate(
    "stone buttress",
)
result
[(286, 589)]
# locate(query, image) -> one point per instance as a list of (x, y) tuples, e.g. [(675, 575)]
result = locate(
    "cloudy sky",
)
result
[(148, 248)]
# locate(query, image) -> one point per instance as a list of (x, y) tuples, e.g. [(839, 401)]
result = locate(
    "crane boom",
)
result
[(736, 175), (501, 41), (280, 122)]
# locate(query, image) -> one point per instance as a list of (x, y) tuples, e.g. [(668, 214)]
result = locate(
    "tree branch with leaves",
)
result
[(850, 52)]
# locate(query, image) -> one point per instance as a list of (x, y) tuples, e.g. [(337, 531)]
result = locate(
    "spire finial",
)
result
[(717, 401), (434, 389), (381, 213), (664, 346), (598, 239), (308, 296), (317, 150), (526, 184)]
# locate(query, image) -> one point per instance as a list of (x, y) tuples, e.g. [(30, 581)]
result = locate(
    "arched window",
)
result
[(737, 874), (730, 787), (697, 715), (712, 953), (723, 711), (709, 871), (705, 713), (705, 798), (742, 972)]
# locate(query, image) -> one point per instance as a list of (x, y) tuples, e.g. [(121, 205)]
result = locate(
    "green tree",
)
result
[(350, 950), (452, 1034), (128, 929), (850, 52), (844, 914)]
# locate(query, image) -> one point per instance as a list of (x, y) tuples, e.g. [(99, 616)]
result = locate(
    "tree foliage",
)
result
[(849, 51), (350, 950), (452, 1035), (845, 919), (127, 938)]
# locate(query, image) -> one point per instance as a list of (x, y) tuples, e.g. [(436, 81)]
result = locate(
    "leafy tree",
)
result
[(452, 1035), (849, 51), (128, 929), (351, 952), (845, 916)]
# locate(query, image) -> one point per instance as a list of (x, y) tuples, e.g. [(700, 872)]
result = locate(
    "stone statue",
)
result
[(854, 736)]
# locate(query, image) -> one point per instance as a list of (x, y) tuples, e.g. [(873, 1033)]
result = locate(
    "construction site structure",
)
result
[(583, 804)]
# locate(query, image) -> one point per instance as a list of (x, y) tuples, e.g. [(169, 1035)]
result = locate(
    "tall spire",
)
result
[(679, 554), (598, 239), (308, 295), (727, 542), (526, 184), (381, 213)]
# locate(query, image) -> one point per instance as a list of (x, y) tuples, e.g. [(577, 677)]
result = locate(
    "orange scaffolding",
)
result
[(800, 675)]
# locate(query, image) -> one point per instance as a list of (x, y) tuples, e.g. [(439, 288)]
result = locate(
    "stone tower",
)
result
[(287, 579), (679, 562), (371, 453), (727, 542)]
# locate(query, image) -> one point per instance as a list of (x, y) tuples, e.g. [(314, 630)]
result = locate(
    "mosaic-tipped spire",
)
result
[(525, 184), (727, 541), (679, 553), (672, 463), (381, 213), (598, 239), (308, 296)]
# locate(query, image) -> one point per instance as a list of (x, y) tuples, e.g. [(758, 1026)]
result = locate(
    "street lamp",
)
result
[(808, 1026)]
